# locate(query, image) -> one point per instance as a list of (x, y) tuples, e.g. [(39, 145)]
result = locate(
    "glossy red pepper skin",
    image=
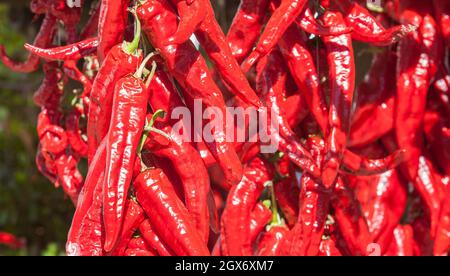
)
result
[(69, 177), (245, 28), (342, 76), (259, 218), (113, 19), (308, 23), (167, 214), (442, 241), (189, 166), (214, 42), (349, 219), (442, 11), (159, 23), (191, 16), (403, 244), (49, 85), (43, 39), (73, 51), (278, 23), (75, 133), (94, 179), (375, 98), (139, 247), (367, 28), (359, 165), (134, 216), (270, 84), (116, 65), (303, 69), (92, 232), (235, 228), (127, 123), (287, 194), (152, 239), (272, 241)]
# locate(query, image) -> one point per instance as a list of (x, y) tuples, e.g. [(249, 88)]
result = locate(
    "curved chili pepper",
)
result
[(240, 202), (191, 16), (442, 241), (303, 69), (442, 11), (71, 70), (117, 64), (259, 218), (214, 42), (342, 77), (374, 102), (69, 177), (73, 51), (46, 168), (246, 26), (434, 128), (52, 137), (167, 214), (112, 21), (294, 109), (357, 165), (43, 39), (278, 23), (287, 194), (153, 240), (94, 178), (366, 28), (159, 21), (127, 123), (272, 241)]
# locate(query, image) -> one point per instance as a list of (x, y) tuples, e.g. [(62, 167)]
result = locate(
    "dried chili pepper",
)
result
[(191, 16), (272, 241), (43, 39), (68, 52), (152, 239)]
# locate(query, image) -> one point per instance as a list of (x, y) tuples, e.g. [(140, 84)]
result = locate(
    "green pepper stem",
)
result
[(149, 127), (132, 46), (140, 71)]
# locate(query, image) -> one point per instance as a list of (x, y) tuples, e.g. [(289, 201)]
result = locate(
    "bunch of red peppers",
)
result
[(361, 169)]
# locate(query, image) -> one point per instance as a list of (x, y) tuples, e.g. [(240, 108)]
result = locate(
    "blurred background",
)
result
[(30, 206)]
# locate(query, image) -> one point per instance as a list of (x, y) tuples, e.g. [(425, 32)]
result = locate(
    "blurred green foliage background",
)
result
[(30, 206)]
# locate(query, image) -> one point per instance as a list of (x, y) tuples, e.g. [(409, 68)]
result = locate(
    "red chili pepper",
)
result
[(287, 194), (91, 235), (358, 165), (374, 102), (366, 28), (167, 214), (118, 63), (74, 132), (259, 218), (235, 228), (73, 51), (43, 39), (49, 85), (52, 137), (113, 19), (215, 44), (272, 241), (246, 26), (442, 241), (278, 23), (189, 166), (71, 70), (342, 76), (134, 216), (94, 178), (192, 14), (127, 123), (294, 109), (303, 69), (46, 168), (69, 177), (159, 21), (270, 82), (11, 240), (153, 240)]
